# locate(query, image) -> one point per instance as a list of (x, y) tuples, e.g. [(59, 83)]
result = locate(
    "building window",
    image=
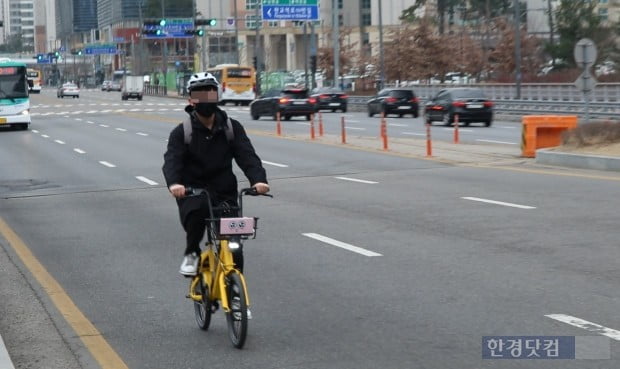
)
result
[(273, 24), (251, 4), (250, 21), (340, 20), (603, 14), (365, 4), (366, 19), (340, 4)]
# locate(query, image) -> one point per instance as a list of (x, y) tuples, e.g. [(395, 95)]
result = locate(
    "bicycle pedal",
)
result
[(215, 306)]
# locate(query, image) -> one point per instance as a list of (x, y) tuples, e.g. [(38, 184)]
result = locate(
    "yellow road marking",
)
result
[(102, 352)]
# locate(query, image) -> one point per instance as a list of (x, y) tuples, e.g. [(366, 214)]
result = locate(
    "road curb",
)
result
[(583, 161)]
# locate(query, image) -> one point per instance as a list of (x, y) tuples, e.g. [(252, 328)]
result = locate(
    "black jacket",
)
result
[(207, 161)]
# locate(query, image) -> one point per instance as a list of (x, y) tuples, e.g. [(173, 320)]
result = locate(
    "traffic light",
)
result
[(162, 22), (57, 54), (255, 63), (206, 22), (313, 63), (199, 33), (79, 52), (39, 57), (195, 32)]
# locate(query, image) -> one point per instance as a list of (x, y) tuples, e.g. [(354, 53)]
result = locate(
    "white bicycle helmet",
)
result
[(204, 79)]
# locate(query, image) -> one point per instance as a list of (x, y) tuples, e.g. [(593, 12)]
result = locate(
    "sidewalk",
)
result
[(29, 337)]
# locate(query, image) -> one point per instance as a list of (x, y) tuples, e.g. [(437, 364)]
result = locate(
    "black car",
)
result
[(289, 102), (330, 99), (398, 101), (470, 104)]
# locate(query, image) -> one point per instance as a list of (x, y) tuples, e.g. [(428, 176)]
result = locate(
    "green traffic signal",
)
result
[(200, 33), (212, 22), (158, 32), (79, 52), (162, 22)]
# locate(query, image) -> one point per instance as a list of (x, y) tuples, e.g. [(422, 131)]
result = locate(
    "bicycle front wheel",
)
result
[(237, 317), (202, 308)]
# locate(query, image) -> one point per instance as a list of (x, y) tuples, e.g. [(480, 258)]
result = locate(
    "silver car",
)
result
[(68, 89)]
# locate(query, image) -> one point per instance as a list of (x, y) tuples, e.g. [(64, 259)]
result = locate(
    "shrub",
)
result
[(595, 133)]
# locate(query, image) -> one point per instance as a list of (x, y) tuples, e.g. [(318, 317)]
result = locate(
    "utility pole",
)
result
[(306, 54), (518, 47), (236, 34), (336, 38), (256, 50), (381, 57), (313, 53), (164, 49)]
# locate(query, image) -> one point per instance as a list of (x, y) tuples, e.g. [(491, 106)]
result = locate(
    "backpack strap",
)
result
[(187, 130), (230, 134)]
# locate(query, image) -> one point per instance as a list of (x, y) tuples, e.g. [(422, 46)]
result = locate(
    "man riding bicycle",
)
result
[(203, 159)]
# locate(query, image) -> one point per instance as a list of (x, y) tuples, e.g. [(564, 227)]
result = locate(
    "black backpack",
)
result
[(187, 130)]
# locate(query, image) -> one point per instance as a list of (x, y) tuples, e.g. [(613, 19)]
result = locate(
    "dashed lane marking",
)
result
[(343, 245)]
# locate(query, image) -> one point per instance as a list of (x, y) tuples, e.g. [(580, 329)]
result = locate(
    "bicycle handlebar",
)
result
[(250, 191)]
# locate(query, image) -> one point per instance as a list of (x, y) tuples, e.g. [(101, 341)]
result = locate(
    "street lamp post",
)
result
[(381, 57)]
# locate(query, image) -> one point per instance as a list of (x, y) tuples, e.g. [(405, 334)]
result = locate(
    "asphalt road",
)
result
[(459, 252)]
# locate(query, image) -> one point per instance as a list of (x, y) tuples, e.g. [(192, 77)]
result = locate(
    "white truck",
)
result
[(133, 86)]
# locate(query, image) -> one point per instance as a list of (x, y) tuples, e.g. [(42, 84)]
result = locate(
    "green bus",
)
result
[(14, 98)]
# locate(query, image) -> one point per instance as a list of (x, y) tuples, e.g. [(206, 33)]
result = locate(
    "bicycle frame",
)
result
[(222, 261)]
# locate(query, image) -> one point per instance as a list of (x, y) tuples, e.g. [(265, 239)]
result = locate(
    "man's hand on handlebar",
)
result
[(177, 190), (261, 188)]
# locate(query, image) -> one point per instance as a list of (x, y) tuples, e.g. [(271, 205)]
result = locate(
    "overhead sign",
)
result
[(99, 49), (173, 28), (44, 58), (290, 10)]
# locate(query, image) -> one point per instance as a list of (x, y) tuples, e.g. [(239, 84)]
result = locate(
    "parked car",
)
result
[(105, 86), (289, 102), (68, 89), (470, 104), (398, 101), (330, 99)]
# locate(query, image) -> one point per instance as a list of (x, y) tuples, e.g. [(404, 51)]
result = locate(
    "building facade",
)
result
[(19, 19)]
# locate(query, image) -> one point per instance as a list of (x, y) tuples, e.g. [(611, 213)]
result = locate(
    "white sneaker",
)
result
[(190, 264)]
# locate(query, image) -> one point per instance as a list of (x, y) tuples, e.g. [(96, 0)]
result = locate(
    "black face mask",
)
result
[(206, 109)]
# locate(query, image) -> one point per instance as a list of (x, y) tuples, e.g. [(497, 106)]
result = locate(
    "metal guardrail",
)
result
[(604, 110)]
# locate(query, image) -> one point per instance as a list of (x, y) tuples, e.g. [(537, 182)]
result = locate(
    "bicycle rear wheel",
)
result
[(202, 308), (237, 317)]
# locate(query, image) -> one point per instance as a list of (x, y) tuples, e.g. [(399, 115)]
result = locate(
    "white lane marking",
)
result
[(414, 134), (121, 129), (460, 130), (398, 125), (356, 180), (504, 127), (499, 203), (355, 128), (142, 134), (588, 326), (353, 121), (340, 244), (34, 131), (274, 164), (89, 122), (109, 165), (92, 111), (104, 126), (79, 151), (499, 142), (78, 119), (59, 142), (146, 180), (45, 136)]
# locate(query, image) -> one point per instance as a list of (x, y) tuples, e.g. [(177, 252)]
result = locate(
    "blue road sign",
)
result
[(44, 59), (100, 49), (174, 28), (290, 12)]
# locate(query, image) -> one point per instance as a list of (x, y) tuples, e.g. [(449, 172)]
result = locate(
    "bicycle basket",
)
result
[(243, 226)]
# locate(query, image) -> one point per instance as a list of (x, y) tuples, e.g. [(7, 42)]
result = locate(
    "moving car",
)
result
[(470, 104), (114, 86), (330, 99), (105, 86), (68, 89), (398, 101), (289, 102)]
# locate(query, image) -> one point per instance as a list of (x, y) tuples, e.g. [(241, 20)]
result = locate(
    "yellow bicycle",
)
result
[(218, 280)]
